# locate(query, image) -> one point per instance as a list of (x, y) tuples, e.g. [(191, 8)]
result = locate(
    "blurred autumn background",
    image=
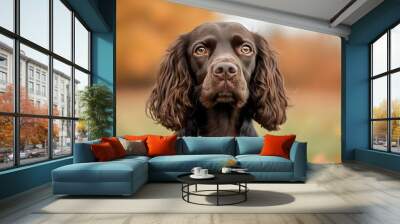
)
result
[(310, 63)]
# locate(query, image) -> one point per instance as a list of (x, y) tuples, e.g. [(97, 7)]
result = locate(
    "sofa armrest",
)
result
[(298, 155), (83, 152)]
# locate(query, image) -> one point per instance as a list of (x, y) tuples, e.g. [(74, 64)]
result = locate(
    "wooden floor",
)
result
[(379, 189)]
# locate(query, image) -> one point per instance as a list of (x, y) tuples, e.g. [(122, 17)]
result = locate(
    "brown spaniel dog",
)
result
[(214, 80)]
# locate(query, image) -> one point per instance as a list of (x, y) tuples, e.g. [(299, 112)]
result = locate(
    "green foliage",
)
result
[(97, 103)]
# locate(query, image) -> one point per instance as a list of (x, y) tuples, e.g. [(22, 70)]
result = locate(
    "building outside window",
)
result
[(58, 127), (30, 87), (38, 89), (3, 72), (385, 91), (43, 90), (3, 78), (30, 72), (37, 74), (3, 60)]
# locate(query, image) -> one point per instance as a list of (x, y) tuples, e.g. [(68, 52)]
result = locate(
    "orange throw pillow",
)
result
[(277, 145), (116, 145), (161, 145), (103, 152)]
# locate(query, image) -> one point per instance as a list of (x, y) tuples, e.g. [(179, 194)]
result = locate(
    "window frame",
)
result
[(388, 74), (16, 115)]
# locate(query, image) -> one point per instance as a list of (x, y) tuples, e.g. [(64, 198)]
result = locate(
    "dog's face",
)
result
[(222, 59), (218, 63)]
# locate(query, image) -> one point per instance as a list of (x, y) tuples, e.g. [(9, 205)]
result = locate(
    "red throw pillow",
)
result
[(116, 145), (103, 152), (161, 145), (277, 145)]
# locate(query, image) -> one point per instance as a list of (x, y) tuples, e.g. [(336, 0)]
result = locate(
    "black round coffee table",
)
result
[(238, 179)]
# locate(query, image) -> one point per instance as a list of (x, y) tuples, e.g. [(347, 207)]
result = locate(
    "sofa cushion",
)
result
[(257, 163), (134, 157), (206, 145), (249, 145), (185, 163), (112, 171)]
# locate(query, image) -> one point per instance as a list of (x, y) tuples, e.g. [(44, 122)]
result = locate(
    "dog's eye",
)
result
[(200, 51), (246, 49)]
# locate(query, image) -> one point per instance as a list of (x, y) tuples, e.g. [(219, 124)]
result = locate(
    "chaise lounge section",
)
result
[(88, 177), (125, 176)]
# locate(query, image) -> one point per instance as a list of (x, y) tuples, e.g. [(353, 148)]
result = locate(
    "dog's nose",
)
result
[(225, 70)]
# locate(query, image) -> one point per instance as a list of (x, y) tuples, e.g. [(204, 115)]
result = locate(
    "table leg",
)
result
[(195, 188), (188, 190), (245, 193), (217, 194)]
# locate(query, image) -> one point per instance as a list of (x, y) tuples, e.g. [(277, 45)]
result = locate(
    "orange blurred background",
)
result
[(309, 62)]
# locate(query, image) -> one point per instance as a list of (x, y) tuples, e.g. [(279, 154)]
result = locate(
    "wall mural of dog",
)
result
[(215, 80)]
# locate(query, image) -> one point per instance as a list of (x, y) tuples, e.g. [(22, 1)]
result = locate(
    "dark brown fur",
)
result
[(219, 93)]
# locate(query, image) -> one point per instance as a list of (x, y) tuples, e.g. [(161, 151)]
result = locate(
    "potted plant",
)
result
[(96, 102)]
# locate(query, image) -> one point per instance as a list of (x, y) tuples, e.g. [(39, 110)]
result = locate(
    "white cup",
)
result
[(203, 172), (226, 170), (196, 171)]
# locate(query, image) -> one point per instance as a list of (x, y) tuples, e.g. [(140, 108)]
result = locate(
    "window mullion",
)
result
[(50, 79), (389, 101), (371, 142), (73, 82), (16, 85)]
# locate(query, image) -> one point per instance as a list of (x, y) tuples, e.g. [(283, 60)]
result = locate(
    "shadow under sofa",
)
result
[(126, 175)]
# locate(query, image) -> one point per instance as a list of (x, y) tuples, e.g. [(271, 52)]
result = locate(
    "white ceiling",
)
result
[(325, 16), (321, 9)]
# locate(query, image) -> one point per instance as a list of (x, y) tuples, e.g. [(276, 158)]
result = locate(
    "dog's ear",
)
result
[(170, 100), (267, 93)]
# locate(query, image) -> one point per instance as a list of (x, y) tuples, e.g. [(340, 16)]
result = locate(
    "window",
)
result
[(385, 91), (62, 137), (6, 142), (3, 61), (7, 73), (33, 147), (30, 87), (62, 74), (38, 74), (3, 78), (44, 91), (62, 32), (3, 72), (37, 89), (81, 82), (41, 124), (81, 45), (30, 72), (34, 21), (7, 14)]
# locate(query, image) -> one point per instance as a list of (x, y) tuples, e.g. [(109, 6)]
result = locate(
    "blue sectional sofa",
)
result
[(125, 176)]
